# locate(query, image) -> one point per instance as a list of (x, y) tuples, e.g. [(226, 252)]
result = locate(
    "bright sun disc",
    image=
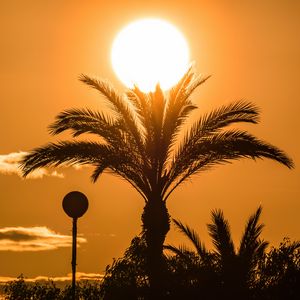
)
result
[(150, 51)]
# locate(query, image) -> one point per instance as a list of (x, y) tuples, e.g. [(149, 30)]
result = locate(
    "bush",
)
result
[(21, 290)]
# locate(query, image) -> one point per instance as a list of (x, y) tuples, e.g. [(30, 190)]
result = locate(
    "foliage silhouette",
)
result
[(138, 141), (126, 278), (191, 275), (205, 274), (21, 290), (248, 272), (234, 270), (279, 272)]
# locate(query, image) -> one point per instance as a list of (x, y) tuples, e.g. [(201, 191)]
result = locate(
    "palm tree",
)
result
[(236, 268), (137, 142)]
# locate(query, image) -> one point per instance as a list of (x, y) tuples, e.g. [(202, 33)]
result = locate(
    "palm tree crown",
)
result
[(136, 140), (235, 267)]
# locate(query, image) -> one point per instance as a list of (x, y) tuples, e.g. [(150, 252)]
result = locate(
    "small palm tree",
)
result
[(236, 268), (138, 142)]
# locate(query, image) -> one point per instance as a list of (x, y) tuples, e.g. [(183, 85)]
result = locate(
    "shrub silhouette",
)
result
[(21, 290), (279, 272)]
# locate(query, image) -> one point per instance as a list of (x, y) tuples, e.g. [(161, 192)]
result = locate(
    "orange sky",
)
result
[(251, 48)]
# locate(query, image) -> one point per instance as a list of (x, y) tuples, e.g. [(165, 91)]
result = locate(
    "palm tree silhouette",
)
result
[(236, 268), (138, 142)]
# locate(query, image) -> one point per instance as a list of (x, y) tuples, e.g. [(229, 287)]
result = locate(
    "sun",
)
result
[(150, 51)]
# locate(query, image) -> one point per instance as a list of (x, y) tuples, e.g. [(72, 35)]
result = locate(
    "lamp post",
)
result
[(75, 204)]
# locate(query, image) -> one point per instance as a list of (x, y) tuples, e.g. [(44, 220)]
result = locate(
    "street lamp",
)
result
[(75, 204)]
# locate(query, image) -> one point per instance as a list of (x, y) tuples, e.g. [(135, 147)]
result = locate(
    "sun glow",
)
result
[(150, 51)]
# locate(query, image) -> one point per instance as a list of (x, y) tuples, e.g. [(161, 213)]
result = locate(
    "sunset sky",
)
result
[(252, 51)]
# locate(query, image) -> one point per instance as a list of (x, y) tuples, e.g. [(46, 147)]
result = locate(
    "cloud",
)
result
[(39, 238), (68, 277), (10, 164)]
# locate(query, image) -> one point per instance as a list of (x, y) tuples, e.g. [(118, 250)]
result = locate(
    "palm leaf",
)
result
[(64, 153), (176, 110), (141, 102), (199, 80), (219, 231), (193, 237), (118, 104), (181, 85), (81, 121), (179, 107), (154, 128), (216, 120), (251, 233), (135, 176), (251, 247), (220, 148), (181, 250)]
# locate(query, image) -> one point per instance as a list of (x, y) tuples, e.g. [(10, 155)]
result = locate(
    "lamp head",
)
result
[(75, 204)]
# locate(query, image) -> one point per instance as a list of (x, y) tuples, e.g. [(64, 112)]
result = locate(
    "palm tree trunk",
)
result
[(156, 224)]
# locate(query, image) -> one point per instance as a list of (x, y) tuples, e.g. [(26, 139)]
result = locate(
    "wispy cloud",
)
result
[(39, 238), (68, 277), (10, 164)]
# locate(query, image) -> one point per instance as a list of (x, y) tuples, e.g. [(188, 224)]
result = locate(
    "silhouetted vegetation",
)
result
[(21, 290), (272, 275), (126, 277), (139, 142), (234, 270), (225, 272), (279, 272)]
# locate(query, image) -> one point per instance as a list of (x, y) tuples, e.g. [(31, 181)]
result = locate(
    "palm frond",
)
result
[(236, 112), (64, 153), (252, 248), (260, 249), (175, 104), (134, 175), (235, 144), (99, 169), (113, 132), (173, 123), (218, 119), (220, 148), (181, 250), (251, 233), (101, 156), (193, 237), (150, 108), (141, 102), (181, 85), (179, 107), (135, 101), (129, 165), (219, 231), (199, 80), (176, 177), (81, 121), (111, 96), (156, 107), (119, 105), (203, 129)]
